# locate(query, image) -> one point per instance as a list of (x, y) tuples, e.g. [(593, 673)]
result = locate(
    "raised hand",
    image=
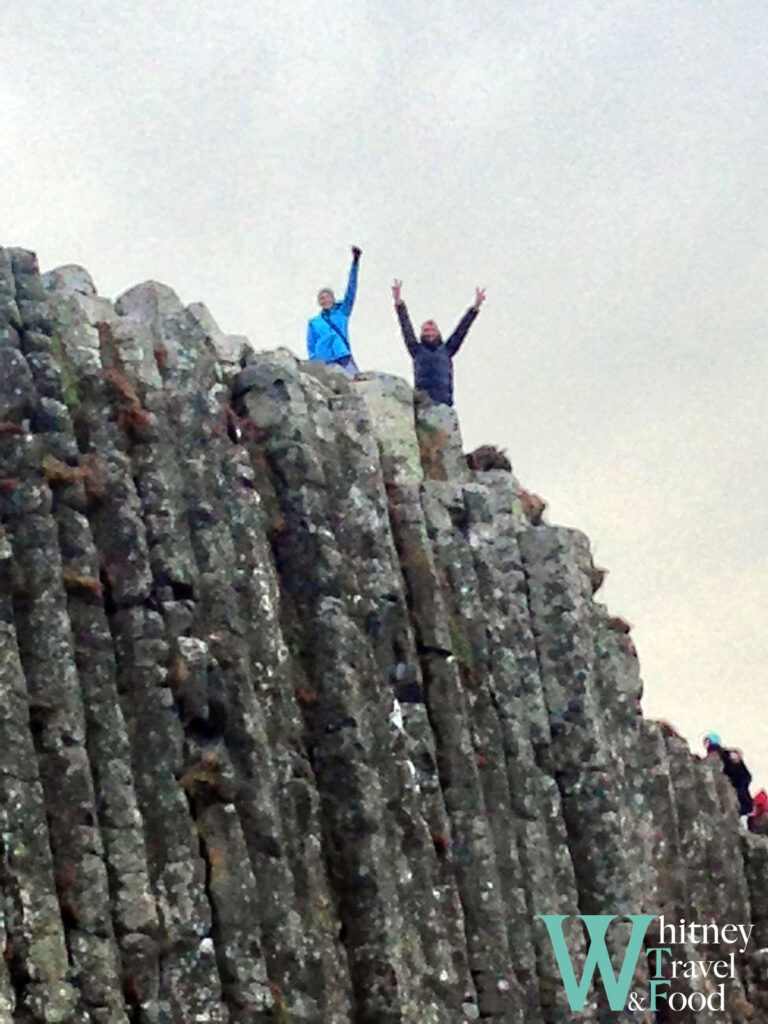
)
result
[(357, 252), (479, 297), (396, 290)]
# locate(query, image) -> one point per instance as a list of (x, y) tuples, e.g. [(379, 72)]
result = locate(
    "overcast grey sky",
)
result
[(601, 166)]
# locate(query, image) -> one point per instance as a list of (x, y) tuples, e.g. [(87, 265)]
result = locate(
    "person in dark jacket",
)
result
[(734, 767), (433, 357), (328, 332)]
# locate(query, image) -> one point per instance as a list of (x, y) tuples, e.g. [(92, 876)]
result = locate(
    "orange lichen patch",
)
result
[(740, 1003), (122, 386), (90, 471), (276, 992), (217, 858), (134, 421), (533, 506), (78, 581), (469, 677), (8, 427), (250, 431), (94, 477), (206, 772), (432, 446), (307, 698), (57, 472), (132, 416), (8, 483), (178, 673), (619, 625), (199, 775), (396, 514), (106, 339), (65, 878), (211, 759)]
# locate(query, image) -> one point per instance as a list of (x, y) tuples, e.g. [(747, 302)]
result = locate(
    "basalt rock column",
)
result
[(34, 976), (167, 966), (336, 562), (556, 565), (42, 532), (466, 706), (486, 592), (489, 526)]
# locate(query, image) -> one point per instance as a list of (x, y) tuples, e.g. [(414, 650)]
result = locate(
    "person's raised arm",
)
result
[(406, 327), (453, 344), (349, 296)]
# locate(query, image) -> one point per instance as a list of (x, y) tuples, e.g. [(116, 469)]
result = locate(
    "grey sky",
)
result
[(601, 167)]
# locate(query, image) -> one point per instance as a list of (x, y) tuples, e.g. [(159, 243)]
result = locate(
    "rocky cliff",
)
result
[(303, 720)]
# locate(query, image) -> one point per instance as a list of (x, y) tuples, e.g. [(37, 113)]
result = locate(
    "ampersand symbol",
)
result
[(635, 1003)]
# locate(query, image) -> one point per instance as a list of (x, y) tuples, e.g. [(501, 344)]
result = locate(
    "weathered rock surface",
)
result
[(302, 719)]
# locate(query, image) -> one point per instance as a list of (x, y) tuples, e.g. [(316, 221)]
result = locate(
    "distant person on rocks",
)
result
[(758, 819), (734, 768), (433, 357), (328, 332)]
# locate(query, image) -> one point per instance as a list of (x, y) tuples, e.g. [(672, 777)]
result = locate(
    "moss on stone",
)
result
[(69, 386), (460, 644), (282, 1014)]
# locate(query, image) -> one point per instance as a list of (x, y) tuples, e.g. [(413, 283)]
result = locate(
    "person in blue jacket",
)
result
[(433, 357), (328, 332)]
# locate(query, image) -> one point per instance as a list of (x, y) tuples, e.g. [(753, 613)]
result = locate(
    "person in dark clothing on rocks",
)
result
[(734, 767), (433, 357), (328, 332)]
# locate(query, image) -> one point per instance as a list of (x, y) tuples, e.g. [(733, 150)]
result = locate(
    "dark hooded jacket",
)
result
[(738, 773), (433, 365)]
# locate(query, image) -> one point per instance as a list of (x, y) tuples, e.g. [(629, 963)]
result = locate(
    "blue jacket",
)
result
[(328, 332), (433, 366)]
